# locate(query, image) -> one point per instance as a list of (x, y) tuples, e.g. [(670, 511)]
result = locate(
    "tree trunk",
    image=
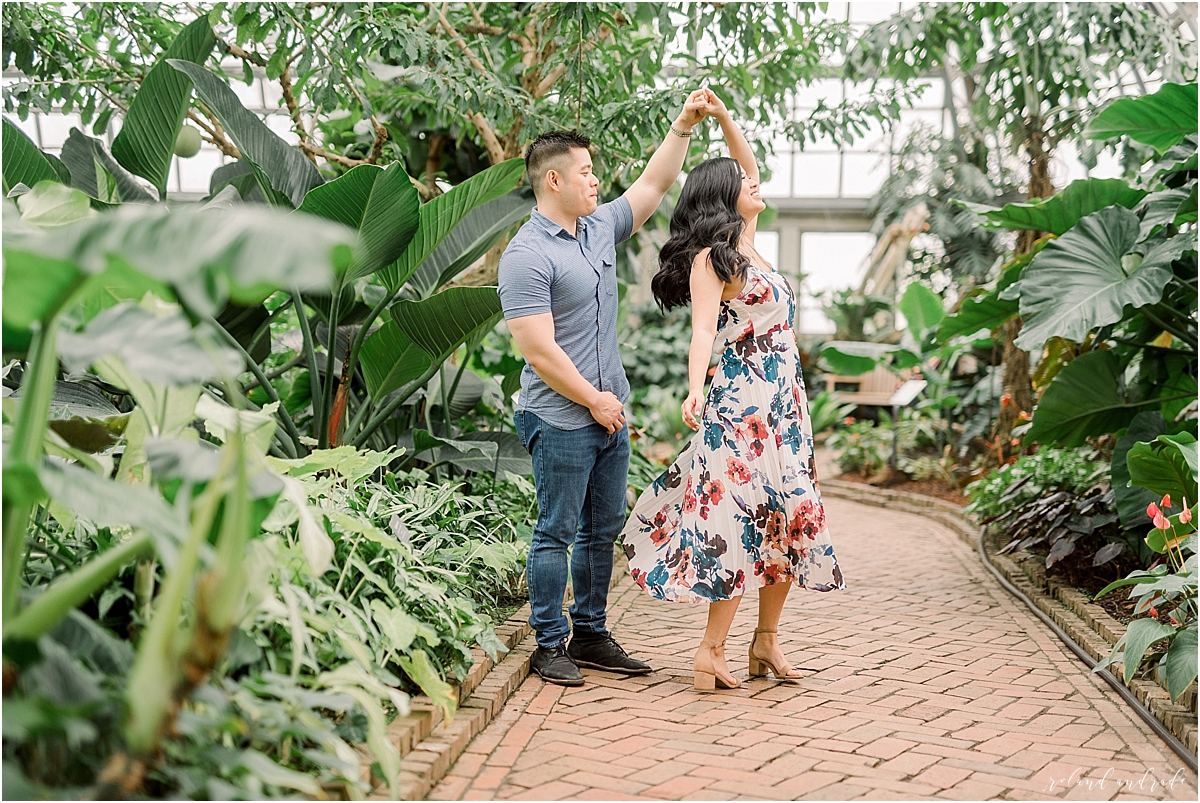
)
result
[(1018, 387)]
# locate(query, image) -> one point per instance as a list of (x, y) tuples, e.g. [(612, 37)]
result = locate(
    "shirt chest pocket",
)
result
[(608, 274)]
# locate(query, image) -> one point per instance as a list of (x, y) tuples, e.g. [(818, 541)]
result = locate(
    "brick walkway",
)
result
[(925, 680)]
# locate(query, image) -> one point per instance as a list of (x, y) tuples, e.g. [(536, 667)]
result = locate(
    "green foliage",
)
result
[(1031, 476), (654, 349), (1059, 213), (863, 447), (1160, 119), (826, 412)]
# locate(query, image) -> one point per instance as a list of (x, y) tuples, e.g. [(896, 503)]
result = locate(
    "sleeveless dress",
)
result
[(740, 506)]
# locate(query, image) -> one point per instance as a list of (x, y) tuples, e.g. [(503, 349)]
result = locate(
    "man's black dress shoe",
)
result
[(601, 651), (556, 666)]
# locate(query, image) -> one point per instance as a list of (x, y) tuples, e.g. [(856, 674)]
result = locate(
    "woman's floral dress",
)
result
[(740, 506)]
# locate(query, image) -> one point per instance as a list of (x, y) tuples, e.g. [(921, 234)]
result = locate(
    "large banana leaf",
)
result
[(283, 167), (24, 163), (445, 212), (1083, 279), (381, 203), (1085, 399), (922, 308), (1159, 120), (470, 239), (146, 142), (440, 324), (96, 172), (390, 360), (208, 255), (1058, 213)]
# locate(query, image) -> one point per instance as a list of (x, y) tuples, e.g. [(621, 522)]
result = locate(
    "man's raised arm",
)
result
[(663, 168)]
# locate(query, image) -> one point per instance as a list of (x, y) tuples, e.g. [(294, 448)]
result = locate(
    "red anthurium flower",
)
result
[(1161, 523), (1166, 501), (1185, 516), (1151, 510)]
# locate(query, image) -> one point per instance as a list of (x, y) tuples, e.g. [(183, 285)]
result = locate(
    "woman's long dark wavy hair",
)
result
[(705, 216)]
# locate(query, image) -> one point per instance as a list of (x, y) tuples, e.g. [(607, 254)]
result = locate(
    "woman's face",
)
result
[(749, 203)]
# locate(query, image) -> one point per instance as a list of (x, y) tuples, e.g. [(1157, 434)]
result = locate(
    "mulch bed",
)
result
[(939, 489)]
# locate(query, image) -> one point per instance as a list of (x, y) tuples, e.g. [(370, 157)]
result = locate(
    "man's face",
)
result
[(577, 190)]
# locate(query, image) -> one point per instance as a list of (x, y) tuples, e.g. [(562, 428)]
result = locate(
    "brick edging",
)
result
[(1088, 624), (428, 743)]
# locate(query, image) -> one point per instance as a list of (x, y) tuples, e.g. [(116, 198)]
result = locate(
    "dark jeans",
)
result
[(581, 475)]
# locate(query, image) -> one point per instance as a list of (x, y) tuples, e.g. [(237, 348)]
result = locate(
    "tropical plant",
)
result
[(1127, 258), (854, 314), (408, 251), (863, 447), (825, 411), (1027, 92), (1030, 477), (1166, 591)]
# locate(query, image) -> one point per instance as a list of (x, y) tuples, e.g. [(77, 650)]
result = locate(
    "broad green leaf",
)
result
[(469, 392), (1159, 209), (117, 283), (345, 461), (1059, 213), (922, 308), (106, 503), (1179, 665), (223, 421), (23, 162), (423, 441), (268, 772), (285, 167), (1084, 400), (50, 205), (161, 349), (146, 141), (852, 357), (470, 239), (315, 543), (1159, 120), (396, 625), (1081, 280), (381, 203), (988, 311), (1165, 466), (510, 456), (1142, 633), (443, 213), (418, 667), (390, 360), (207, 255), (442, 323), (95, 172), (1131, 501)]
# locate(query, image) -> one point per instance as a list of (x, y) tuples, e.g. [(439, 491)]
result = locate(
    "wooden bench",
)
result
[(873, 388)]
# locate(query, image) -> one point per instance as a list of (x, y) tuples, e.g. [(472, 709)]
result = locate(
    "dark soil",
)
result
[(939, 489)]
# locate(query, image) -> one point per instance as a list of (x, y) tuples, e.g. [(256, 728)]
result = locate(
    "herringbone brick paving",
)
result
[(924, 680)]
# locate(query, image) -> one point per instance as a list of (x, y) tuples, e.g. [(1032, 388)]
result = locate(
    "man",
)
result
[(558, 287)]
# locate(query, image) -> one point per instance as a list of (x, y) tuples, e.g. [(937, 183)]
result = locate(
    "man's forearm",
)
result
[(556, 370), (664, 166)]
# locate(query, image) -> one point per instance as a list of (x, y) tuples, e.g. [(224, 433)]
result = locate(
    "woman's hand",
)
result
[(693, 407), (715, 106), (694, 110)]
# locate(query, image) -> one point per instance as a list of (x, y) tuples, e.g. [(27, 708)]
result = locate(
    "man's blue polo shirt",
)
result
[(545, 269)]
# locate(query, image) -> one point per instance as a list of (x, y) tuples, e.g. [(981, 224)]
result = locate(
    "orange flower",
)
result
[(1151, 510), (1166, 501)]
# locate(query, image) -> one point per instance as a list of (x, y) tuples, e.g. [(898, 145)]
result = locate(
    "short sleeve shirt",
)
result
[(545, 269)]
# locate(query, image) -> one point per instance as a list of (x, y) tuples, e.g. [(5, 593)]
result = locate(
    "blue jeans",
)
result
[(581, 475)]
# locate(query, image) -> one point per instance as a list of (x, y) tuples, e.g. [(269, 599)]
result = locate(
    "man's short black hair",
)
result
[(547, 147)]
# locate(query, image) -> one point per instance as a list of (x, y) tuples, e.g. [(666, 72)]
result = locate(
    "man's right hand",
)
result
[(608, 412)]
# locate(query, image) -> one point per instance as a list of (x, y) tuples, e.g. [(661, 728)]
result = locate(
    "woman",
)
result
[(739, 508)]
